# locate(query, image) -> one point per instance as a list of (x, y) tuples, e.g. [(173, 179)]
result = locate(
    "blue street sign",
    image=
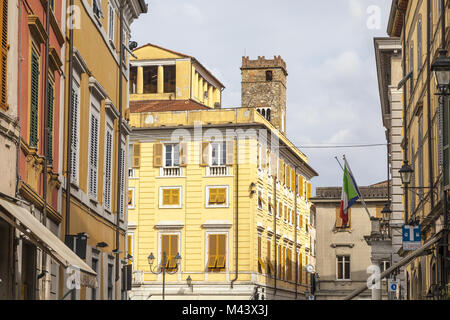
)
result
[(411, 236)]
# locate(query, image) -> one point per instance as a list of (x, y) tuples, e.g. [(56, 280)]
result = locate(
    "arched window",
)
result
[(263, 112), (268, 114)]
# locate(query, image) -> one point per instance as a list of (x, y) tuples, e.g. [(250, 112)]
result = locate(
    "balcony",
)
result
[(217, 171), (170, 172)]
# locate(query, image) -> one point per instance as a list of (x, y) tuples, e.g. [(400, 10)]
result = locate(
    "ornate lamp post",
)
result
[(162, 268)]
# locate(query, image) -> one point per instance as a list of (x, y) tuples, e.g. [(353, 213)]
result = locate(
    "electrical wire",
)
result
[(338, 146)]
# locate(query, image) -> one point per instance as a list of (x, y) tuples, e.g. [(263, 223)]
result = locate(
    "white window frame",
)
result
[(123, 208), (343, 267), (109, 128), (207, 205), (168, 233), (262, 197), (227, 267), (172, 155), (133, 202), (221, 162), (111, 21), (99, 6), (94, 112), (277, 210), (179, 206), (75, 174), (97, 257), (269, 203)]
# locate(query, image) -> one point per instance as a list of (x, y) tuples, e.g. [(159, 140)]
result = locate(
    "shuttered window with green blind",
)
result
[(50, 123), (34, 99)]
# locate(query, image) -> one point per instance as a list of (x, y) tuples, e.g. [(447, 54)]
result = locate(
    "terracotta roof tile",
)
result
[(165, 105)]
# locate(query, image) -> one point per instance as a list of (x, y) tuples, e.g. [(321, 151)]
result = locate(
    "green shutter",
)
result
[(50, 124), (34, 100)]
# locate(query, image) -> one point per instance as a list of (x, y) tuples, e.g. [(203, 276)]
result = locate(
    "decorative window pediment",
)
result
[(37, 29)]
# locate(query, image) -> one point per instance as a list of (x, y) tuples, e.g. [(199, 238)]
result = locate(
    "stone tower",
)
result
[(264, 87)]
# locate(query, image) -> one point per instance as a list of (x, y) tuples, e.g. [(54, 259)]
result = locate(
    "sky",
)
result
[(332, 88)]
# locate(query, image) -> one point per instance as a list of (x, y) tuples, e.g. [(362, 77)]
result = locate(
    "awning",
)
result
[(47, 241), (399, 264)]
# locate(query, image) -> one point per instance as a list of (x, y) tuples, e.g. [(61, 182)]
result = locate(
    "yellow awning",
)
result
[(47, 241)]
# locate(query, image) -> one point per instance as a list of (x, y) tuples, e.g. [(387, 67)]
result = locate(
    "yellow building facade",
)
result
[(416, 25), (95, 140), (224, 189)]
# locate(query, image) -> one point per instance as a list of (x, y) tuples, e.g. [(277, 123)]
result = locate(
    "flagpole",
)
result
[(356, 186)]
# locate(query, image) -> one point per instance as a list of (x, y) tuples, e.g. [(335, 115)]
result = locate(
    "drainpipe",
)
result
[(405, 137), (69, 131), (430, 140), (119, 145), (275, 213), (45, 142), (236, 229)]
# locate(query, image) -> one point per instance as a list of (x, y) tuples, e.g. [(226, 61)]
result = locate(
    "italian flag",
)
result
[(350, 193)]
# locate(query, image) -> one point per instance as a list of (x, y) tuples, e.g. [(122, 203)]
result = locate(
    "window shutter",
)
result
[(136, 155), (34, 100), (122, 182), (204, 156), (212, 251), (221, 250), (4, 54), (93, 156), (50, 98), (165, 247), (221, 196), (166, 197), (309, 190), (157, 155), (230, 152), (175, 197), (173, 250), (74, 155), (108, 170), (213, 195), (293, 179), (338, 218), (288, 176), (183, 154)]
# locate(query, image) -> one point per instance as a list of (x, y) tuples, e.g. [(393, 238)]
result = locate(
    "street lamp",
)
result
[(441, 69), (163, 268), (405, 173), (386, 213)]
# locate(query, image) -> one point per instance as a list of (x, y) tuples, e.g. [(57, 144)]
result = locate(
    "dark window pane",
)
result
[(169, 79), (133, 80), (150, 79)]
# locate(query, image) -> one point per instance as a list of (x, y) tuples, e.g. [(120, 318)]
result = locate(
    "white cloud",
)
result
[(356, 9)]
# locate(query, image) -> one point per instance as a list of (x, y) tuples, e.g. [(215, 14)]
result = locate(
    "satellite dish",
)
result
[(310, 268)]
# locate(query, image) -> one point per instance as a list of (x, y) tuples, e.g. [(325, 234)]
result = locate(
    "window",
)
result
[(130, 246), (110, 284), (3, 54), (50, 105), (75, 132), (260, 199), (413, 178), (419, 45), (269, 204), (217, 252), (217, 196), (339, 222), (169, 247), (218, 153), (108, 166), (446, 143), (420, 155), (169, 79), (131, 198), (111, 23), (260, 262), (122, 180), (172, 155), (300, 268), (288, 264), (170, 197), (93, 151), (343, 268), (97, 8), (150, 74), (270, 268), (269, 75), (133, 80), (94, 267), (411, 68), (34, 99)]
